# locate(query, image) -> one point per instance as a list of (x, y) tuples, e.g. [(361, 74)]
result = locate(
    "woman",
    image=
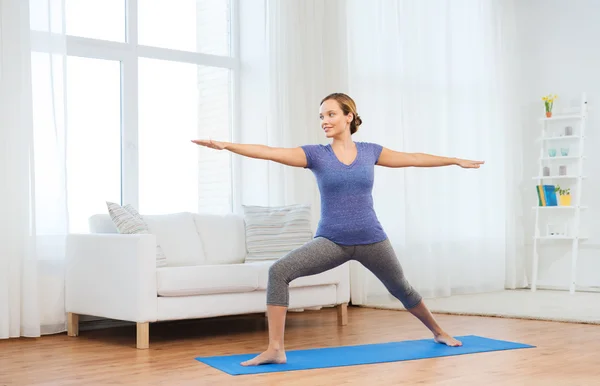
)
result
[(348, 228)]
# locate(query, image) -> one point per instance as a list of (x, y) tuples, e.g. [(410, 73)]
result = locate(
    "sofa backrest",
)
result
[(176, 234), (191, 238), (223, 237)]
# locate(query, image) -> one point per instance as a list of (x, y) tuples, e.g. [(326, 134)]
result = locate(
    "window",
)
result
[(192, 25), (143, 78), (96, 19), (93, 137), (177, 102)]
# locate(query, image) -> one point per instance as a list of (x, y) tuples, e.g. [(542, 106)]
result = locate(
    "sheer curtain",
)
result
[(433, 77), (33, 222), (305, 60)]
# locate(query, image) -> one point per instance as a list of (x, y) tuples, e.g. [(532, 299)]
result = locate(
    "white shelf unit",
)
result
[(575, 176), (559, 207)]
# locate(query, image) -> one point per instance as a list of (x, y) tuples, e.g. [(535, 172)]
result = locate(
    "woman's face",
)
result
[(333, 120)]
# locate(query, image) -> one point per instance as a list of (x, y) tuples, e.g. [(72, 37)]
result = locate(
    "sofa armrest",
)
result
[(111, 276)]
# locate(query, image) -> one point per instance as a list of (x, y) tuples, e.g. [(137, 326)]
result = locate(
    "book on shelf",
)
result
[(546, 195)]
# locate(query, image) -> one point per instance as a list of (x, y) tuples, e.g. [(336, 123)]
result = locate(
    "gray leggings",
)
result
[(320, 255)]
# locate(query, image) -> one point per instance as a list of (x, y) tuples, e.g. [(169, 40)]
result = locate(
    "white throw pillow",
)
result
[(272, 232), (129, 221)]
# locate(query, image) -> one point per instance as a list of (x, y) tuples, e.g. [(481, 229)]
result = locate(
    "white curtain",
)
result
[(433, 77), (305, 61), (428, 76), (33, 219), (516, 187)]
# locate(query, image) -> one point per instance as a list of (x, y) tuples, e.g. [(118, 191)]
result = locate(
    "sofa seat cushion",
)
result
[(206, 279), (333, 276)]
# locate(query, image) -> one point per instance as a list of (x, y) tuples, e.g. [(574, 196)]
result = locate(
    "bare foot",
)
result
[(269, 356), (447, 340)]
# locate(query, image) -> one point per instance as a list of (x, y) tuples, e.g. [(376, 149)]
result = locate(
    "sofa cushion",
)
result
[(207, 279), (333, 276), (223, 237), (272, 232), (178, 237)]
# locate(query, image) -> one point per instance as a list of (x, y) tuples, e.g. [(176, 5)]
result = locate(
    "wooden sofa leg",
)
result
[(72, 324), (342, 314), (143, 335)]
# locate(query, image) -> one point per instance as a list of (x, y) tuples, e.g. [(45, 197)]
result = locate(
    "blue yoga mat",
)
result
[(360, 355)]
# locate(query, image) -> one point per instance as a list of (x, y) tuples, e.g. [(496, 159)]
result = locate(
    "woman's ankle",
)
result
[(276, 346)]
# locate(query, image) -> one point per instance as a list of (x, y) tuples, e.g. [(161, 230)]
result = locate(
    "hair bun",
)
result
[(358, 120)]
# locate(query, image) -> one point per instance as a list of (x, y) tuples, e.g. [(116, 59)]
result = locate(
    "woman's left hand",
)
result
[(467, 164)]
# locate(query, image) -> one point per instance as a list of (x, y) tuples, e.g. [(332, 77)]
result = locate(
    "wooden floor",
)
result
[(566, 353)]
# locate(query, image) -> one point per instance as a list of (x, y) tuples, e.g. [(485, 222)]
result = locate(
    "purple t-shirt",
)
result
[(347, 213)]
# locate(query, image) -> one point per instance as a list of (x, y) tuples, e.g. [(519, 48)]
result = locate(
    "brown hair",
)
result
[(348, 106)]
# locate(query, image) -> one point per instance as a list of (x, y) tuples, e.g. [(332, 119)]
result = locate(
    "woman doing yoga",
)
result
[(348, 228)]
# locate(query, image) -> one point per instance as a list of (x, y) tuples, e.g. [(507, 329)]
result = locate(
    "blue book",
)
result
[(550, 193), (546, 195)]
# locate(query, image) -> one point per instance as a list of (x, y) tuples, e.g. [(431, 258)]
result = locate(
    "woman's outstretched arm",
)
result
[(287, 156), (396, 159)]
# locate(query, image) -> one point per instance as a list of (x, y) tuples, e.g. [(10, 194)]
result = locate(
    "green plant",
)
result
[(549, 101), (562, 192)]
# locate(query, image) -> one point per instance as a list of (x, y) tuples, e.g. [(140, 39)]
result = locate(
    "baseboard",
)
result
[(554, 305), (565, 288)]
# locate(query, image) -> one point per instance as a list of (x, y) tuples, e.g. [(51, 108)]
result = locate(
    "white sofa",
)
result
[(115, 276)]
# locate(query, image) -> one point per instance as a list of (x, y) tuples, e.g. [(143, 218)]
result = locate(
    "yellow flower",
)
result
[(549, 100)]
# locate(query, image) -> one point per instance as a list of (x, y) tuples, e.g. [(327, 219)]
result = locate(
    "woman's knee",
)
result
[(408, 296), (279, 270)]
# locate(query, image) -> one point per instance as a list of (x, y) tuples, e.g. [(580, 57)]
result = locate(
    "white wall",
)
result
[(560, 53)]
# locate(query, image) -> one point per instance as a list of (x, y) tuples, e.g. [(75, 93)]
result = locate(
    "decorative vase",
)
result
[(548, 114), (564, 200), (564, 151), (562, 170), (568, 130), (552, 152), (546, 172)]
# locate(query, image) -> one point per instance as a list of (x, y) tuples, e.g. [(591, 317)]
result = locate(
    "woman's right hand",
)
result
[(210, 143)]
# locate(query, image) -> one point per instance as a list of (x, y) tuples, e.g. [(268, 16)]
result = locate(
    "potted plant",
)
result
[(549, 103), (564, 196)]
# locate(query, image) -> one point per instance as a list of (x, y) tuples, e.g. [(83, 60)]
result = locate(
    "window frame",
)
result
[(128, 53)]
